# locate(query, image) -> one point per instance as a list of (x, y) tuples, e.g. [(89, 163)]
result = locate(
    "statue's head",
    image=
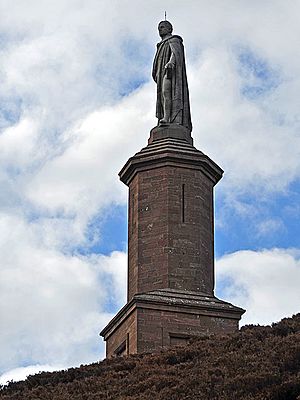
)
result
[(165, 28)]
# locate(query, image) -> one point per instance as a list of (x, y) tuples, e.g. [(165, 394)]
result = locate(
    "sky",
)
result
[(77, 100)]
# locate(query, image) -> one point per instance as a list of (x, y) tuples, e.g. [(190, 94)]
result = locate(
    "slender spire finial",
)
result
[(165, 15)]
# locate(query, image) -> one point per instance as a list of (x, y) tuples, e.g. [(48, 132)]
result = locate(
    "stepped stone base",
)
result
[(158, 319)]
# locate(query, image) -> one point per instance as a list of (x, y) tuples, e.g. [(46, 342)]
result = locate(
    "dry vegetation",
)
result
[(256, 363)]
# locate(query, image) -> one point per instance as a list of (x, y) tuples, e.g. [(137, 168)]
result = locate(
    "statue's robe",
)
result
[(180, 110)]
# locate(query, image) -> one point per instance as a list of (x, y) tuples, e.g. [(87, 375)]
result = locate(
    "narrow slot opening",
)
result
[(132, 213), (183, 203), (127, 343)]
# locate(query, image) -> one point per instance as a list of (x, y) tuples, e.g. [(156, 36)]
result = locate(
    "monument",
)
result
[(170, 226)]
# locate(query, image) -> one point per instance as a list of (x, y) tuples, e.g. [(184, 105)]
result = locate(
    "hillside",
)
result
[(259, 362)]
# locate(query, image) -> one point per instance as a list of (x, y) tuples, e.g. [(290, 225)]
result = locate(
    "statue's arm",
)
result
[(171, 63)]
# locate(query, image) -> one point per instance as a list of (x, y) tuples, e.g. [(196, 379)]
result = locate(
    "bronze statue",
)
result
[(169, 73)]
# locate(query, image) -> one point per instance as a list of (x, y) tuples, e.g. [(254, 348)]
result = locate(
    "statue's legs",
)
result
[(167, 99)]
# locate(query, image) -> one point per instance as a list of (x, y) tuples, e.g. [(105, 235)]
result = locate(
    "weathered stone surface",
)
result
[(170, 248), (161, 318), (170, 151), (170, 226)]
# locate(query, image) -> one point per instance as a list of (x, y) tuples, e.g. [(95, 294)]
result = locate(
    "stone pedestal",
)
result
[(159, 319), (170, 248)]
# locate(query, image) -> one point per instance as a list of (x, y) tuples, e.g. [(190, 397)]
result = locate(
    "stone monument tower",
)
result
[(170, 226)]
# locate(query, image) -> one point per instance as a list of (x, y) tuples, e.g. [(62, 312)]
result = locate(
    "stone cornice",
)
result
[(175, 301), (173, 152)]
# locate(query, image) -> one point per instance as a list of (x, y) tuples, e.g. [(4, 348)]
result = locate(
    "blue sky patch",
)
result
[(275, 223), (260, 77), (125, 76), (10, 111), (133, 49), (107, 232)]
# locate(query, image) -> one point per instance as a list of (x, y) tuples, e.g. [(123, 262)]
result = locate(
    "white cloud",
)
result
[(240, 133), (53, 305), (17, 144), (69, 66), (85, 176), (265, 283)]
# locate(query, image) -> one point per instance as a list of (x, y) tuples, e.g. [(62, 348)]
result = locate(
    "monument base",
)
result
[(159, 319), (173, 131)]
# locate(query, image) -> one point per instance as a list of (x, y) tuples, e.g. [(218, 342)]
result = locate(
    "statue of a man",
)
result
[(169, 72)]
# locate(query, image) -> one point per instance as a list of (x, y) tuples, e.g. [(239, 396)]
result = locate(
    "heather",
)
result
[(258, 362)]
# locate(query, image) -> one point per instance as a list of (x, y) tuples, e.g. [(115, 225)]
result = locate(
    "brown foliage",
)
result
[(261, 363)]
